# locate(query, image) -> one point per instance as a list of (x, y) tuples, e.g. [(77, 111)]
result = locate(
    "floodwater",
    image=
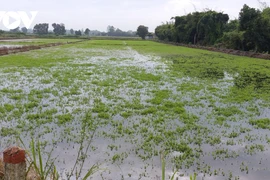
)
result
[(97, 77), (9, 46), (18, 40)]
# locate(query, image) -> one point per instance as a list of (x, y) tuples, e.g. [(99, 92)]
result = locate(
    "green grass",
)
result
[(143, 76), (261, 123)]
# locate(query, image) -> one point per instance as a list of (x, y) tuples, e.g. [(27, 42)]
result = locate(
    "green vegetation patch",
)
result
[(64, 118), (261, 123), (143, 76), (160, 96), (228, 111), (259, 80)]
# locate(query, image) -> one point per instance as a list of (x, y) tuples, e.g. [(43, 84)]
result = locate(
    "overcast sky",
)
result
[(123, 14)]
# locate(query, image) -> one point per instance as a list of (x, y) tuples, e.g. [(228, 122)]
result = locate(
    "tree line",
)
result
[(250, 32), (59, 29)]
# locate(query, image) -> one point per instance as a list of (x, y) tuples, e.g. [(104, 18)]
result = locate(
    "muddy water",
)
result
[(96, 77)]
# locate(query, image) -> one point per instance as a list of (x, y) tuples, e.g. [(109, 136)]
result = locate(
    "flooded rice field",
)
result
[(127, 109)]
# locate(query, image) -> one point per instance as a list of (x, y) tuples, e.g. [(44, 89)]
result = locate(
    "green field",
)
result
[(126, 103)]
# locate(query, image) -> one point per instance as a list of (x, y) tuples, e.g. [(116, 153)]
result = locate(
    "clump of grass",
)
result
[(150, 110), (11, 91), (126, 114), (49, 171), (116, 157), (99, 107), (95, 168), (163, 166), (135, 104), (228, 111), (62, 119), (193, 177), (212, 72), (44, 172), (254, 148), (160, 96), (214, 140), (8, 107), (261, 123), (46, 81), (36, 163), (5, 131), (259, 80), (233, 134), (230, 142), (143, 76), (224, 153), (220, 120), (103, 115)]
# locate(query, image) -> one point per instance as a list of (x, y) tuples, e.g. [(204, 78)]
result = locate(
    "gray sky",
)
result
[(123, 14)]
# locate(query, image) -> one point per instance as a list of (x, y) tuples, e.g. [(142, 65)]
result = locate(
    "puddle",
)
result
[(18, 40), (9, 46), (124, 58)]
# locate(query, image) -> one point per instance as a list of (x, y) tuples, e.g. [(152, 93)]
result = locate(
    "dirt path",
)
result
[(19, 49)]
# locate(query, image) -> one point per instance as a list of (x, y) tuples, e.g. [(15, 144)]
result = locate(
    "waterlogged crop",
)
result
[(125, 104)]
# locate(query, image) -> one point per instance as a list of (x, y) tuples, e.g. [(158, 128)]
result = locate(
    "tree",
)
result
[(71, 31), (87, 32), (142, 31), (15, 30), (266, 13), (59, 29), (209, 26), (233, 40), (24, 30), (233, 25), (119, 32), (166, 32), (41, 29), (131, 33), (251, 31), (199, 27), (255, 29), (78, 33), (104, 34), (110, 30), (247, 17)]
